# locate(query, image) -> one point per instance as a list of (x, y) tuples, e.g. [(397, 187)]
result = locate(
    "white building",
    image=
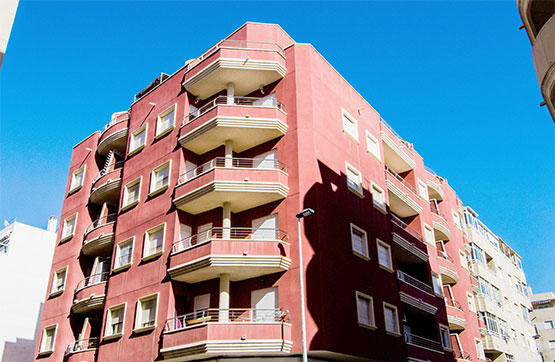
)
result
[(543, 317), (25, 258)]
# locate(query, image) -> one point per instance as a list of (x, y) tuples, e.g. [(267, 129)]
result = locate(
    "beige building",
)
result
[(7, 15), (543, 317), (501, 296), (538, 17)]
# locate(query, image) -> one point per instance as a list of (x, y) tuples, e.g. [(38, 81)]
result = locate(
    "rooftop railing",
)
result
[(414, 282), (268, 102), (114, 166), (92, 280), (82, 345), (235, 162), (232, 315), (423, 342), (105, 220), (237, 233), (400, 223)]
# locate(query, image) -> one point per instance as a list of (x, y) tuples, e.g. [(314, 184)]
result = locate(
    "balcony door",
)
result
[(264, 302), (201, 303), (265, 227)]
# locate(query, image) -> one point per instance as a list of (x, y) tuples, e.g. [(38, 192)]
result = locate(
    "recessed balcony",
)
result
[(106, 186), (90, 294), (434, 190), (401, 203), (246, 121), (414, 283), (394, 155), (421, 342), (249, 65), (243, 253), (448, 273), (99, 236), (114, 135), (441, 231), (210, 332), (243, 182), (408, 252), (82, 350), (455, 315)]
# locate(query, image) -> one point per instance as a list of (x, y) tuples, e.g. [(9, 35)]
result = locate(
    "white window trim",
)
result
[(397, 332), (138, 309), (365, 237), (118, 250), (124, 206), (440, 285), (167, 164), (433, 242), (48, 351), (422, 183), (53, 292), (373, 138), (388, 247), (156, 228), (144, 128), (481, 354), (358, 191), (69, 236), (374, 186), (462, 257), (372, 314), (75, 188), (346, 114), (173, 108), (446, 328), (109, 321), (470, 297)]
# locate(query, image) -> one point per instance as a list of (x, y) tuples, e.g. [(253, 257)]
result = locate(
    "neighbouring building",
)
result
[(25, 260), (8, 9), (543, 317), (538, 17), (178, 237)]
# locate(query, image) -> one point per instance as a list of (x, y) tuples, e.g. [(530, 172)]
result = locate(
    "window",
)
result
[(391, 319), (378, 198), (59, 281), (384, 255), (509, 358), (77, 179), (146, 312), (138, 140), (365, 310), (423, 190), (437, 284), (524, 312), (131, 194), (479, 349), (445, 338), (476, 253), (462, 257), (166, 121), (350, 125), (114, 321), (471, 304), (160, 178), (491, 322), (373, 146), (429, 234), (354, 179), (154, 242), (456, 219), (552, 344), (548, 325), (359, 242), (48, 339), (69, 227), (124, 254)]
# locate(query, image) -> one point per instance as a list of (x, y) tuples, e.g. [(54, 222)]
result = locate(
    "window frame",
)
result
[(426, 197), (389, 267), (73, 218), (125, 204), (359, 190), (366, 256), (74, 188), (371, 138), (353, 120), (168, 165), (375, 187), (463, 259), (108, 324), (471, 302), (116, 267), (397, 332), (154, 229), (431, 230), (53, 292), (479, 351), (444, 328), (143, 128), (372, 314), (161, 133), (43, 351), (436, 276), (139, 310)]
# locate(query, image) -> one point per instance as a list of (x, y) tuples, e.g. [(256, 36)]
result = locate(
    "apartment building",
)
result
[(25, 259), (179, 237), (543, 317), (538, 17)]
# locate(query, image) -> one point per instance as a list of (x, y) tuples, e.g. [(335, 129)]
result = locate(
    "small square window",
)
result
[(160, 178), (58, 281), (350, 125), (378, 198), (552, 344), (365, 310), (131, 194), (391, 318), (548, 325), (359, 242), (165, 122), (373, 145), (445, 337), (429, 235), (124, 254), (48, 339), (154, 242), (384, 255), (354, 179), (423, 190), (77, 179), (115, 321), (146, 313), (69, 227), (138, 140)]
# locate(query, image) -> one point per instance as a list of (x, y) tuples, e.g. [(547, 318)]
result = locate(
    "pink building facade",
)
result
[(179, 238)]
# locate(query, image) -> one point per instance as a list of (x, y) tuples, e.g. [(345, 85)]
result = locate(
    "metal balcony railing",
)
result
[(400, 223), (123, 116), (453, 303), (92, 280), (232, 315), (401, 180), (113, 167), (105, 220), (461, 355), (237, 233), (443, 255), (267, 102), (414, 282), (82, 345), (423, 342), (235, 162)]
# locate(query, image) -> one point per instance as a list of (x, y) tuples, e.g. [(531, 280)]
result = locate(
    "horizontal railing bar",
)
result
[(110, 218), (92, 280)]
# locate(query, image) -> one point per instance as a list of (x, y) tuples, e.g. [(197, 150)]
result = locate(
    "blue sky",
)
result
[(454, 78)]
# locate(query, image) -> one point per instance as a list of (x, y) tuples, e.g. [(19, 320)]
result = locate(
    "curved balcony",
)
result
[(246, 121), (106, 186), (82, 350), (441, 230), (448, 272), (226, 331), (89, 294), (455, 315), (114, 135), (401, 203), (434, 190), (249, 65), (243, 253), (394, 155), (99, 236), (244, 182), (462, 356)]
